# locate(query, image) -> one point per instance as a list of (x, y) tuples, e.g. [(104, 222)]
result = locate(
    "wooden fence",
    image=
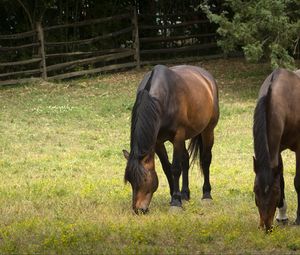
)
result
[(75, 55)]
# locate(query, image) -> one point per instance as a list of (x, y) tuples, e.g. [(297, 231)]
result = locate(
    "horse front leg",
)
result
[(176, 168), (282, 206), (297, 185), (162, 154)]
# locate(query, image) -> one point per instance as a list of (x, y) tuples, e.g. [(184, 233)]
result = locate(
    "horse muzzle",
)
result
[(266, 223), (140, 211)]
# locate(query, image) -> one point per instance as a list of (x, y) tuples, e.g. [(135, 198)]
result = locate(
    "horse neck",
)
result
[(145, 124), (260, 128)]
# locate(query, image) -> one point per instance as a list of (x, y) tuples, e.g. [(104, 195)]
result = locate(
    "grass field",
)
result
[(61, 173)]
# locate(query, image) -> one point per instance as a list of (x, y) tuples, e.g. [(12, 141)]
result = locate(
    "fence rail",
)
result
[(91, 40), (18, 36), (19, 47), (87, 53), (21, 62), (89, 22), (128, 46), (34, 71)]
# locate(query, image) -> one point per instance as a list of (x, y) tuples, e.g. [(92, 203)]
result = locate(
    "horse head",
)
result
[(141, 174), (267, 193)]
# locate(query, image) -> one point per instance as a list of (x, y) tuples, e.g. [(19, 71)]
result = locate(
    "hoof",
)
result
[(175, 203), (175, 209), (207, 195), (176, 200), (185, 195)]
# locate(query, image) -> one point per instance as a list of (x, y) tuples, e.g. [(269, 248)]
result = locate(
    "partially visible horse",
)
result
[(172, 104), (276, 128)]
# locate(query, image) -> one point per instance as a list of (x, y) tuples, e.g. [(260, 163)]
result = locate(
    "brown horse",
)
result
[(172, 104), (276, 128)]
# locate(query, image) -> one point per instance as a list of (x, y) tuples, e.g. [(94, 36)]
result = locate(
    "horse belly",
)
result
[(192, 124), (198, 119), (287, 122), (291, 138)]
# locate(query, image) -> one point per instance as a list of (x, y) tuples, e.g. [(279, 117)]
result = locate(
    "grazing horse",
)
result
[(172, 104), (276, 128)]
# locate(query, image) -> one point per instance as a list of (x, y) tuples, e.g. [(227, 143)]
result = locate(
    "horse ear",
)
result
[(126, 154), (254, 165)]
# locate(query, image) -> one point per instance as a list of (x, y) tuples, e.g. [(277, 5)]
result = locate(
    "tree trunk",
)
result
[(29, 15)]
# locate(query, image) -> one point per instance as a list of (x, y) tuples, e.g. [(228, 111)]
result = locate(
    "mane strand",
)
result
[(260, 133), (145, 122)]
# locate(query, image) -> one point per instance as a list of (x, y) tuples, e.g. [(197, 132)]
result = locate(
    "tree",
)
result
[(263, 29), (35, 9)]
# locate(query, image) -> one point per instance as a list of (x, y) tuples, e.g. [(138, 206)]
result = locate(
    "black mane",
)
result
[(261, 148), (144, 124), (260, 129), (144, 129)]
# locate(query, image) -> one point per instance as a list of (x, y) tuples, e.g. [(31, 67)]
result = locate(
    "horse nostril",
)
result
[(269, 229), (146, 210), (141, 211)]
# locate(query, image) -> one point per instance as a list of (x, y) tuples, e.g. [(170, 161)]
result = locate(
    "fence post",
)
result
[(136, 39), (41, 51)]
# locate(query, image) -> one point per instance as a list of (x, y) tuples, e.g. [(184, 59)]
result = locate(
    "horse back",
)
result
[(197, 92), (188, 96), (284, 109)]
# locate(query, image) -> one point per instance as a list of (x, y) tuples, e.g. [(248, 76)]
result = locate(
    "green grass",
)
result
[(61, 173)]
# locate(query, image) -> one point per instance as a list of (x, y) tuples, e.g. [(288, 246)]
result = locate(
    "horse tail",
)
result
[(195, 149)]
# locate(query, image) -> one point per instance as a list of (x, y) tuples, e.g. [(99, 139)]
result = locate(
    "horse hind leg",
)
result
[(205, 160), (185, 191), (166, 165)]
